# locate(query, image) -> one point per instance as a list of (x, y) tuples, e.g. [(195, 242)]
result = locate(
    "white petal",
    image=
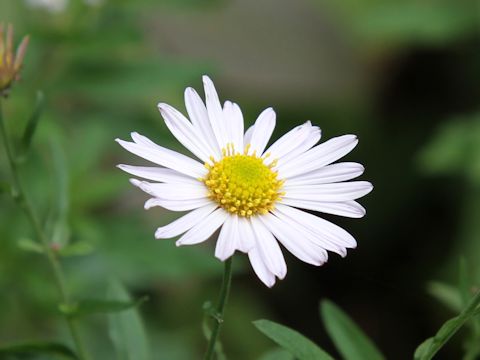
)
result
[(199, 116), (319, 156), (247, 138), (350, 209), (184, 223), (317, 224), (165, 157), (184, 132), (335, 192), (294, 142), (158, 174), (215, 112), (318, 238), (262, 131), (328, 174), (258, 265), (269, 249), (204, 229), (227, 239), (299, 246), (246, 239), (177, 205), (173, 191), (234, 119)]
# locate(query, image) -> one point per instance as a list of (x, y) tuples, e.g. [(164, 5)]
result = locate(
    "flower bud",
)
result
[(10, 62)]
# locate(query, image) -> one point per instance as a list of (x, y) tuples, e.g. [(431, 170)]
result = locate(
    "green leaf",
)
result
[(448, 295), (78, 248), (32, 123), (277, 354), (94, 306), (30, 245), (5, 187), (348, 338), (464, 282), (431, 346), (423, 349), (126, 329), (45, 348), (292, 341)]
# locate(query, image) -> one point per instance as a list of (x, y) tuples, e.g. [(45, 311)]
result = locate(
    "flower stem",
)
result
[(222, 301), (20, 196)]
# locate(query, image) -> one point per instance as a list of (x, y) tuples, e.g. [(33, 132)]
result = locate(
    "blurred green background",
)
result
[(402, 75)]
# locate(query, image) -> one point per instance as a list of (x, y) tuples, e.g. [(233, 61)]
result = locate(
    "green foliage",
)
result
[(95, 306), (348, 338), (292, 341), (277, 354), (21, 351), (453, 149), (126, 328), (32, 123)]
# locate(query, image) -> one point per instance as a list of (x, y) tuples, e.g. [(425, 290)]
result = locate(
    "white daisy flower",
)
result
[(252, 193)]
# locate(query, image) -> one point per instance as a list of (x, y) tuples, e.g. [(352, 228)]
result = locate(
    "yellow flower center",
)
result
[(242, 184)]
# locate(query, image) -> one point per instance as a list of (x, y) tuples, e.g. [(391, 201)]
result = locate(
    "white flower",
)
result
[(53, 6), (252, 194)]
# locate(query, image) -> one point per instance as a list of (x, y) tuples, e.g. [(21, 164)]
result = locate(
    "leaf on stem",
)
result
[(30, 246), (94, 306), (126, 329), (348, 338), (31, 348), (448, 295), (295, 343), (32, 123)]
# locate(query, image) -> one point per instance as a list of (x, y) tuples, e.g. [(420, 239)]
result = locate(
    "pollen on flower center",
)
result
[(242, 184)]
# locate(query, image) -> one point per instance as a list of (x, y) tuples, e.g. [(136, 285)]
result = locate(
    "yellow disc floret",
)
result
[(242, 184)]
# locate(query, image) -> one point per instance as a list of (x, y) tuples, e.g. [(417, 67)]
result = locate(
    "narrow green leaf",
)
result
[(292, 341), (348, 338), (45, 348), (32, 123), (57, 223), (78, 248), (94, 306), (126, 329), (464, 282), (5, 187), (277, 354), (447, 330), (448, 295), (30, 245), (423, 349)]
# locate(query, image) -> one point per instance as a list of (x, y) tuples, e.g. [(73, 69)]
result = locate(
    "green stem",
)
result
[(218, 318), (22, 199)]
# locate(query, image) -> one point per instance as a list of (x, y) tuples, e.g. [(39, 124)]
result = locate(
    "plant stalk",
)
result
[(22, 199), (222, 301)]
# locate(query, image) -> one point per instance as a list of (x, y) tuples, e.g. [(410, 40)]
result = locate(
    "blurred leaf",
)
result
[(45, 348), (57, 226), (431, 346), (277, 354), (448, 295), (5, 187), (126, 329), (454, 149), (397, 23), (94, 306), (32, 123), (348, 338), (464, 282), (292, 341), (30, 245), (78, 248)]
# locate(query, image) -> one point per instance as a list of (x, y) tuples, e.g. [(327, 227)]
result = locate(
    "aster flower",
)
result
[(10, 62), (252, 192)]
